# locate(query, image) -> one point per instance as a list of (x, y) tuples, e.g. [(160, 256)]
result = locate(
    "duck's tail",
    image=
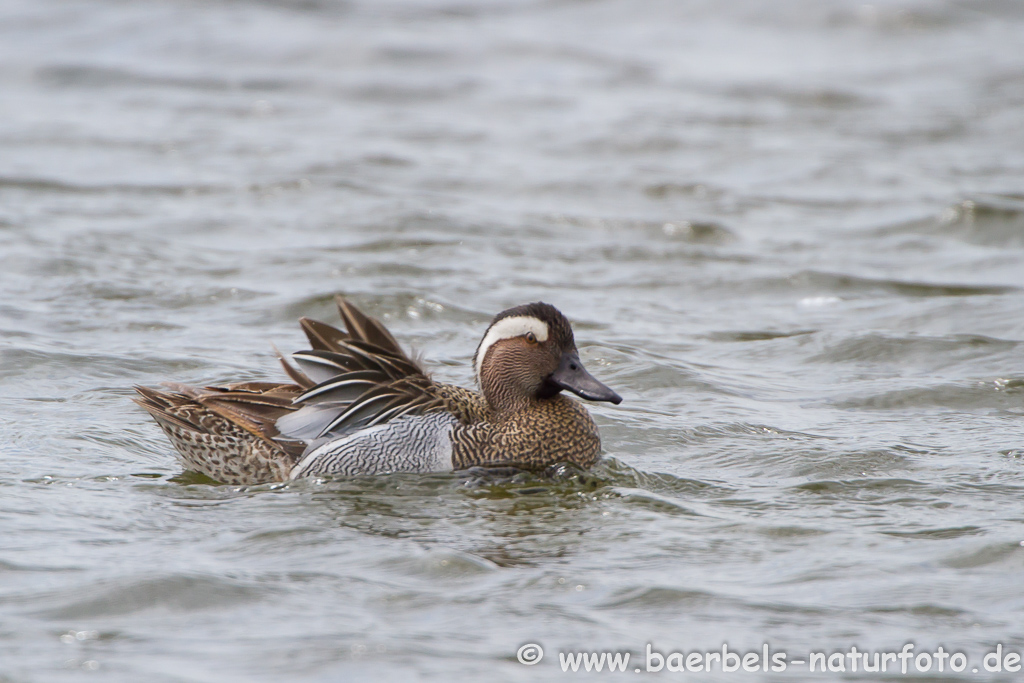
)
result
[(226, 433)]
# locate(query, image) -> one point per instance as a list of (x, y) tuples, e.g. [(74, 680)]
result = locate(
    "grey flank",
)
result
[(419, 443)]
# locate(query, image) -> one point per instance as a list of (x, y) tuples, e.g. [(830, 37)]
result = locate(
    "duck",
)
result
[(358, 404)]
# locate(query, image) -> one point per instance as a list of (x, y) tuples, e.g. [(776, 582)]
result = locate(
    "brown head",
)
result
[(529, 354)]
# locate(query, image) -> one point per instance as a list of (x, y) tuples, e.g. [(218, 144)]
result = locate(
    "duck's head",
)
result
[(529, 354)]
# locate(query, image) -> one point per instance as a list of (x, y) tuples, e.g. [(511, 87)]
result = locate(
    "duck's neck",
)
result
[(505, 399)]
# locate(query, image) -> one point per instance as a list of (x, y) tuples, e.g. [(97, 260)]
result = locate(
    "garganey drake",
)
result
[(359, 404)]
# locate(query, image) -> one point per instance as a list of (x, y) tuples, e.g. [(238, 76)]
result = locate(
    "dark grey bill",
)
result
[(572, 376)]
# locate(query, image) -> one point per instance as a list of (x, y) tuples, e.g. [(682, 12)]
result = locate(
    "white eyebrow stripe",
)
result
[(507, 328)]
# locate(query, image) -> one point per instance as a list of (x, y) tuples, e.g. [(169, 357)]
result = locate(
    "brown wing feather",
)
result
[(365, 377), (253, 406), (323, 337), (362, 327), (296, 375)]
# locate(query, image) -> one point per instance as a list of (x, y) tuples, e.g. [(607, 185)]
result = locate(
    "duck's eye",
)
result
[(531, 337)]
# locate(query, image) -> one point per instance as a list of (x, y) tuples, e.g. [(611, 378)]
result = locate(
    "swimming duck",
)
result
[(359, 404)]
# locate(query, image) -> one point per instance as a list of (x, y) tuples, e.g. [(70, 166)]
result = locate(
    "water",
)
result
[(791, 235)]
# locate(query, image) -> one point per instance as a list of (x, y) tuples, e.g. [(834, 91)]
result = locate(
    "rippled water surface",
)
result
[(790, 234)]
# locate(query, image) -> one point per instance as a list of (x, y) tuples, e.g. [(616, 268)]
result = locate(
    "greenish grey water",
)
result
[(790, 235)]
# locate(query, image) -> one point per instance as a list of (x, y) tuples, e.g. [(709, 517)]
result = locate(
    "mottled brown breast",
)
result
[(549, 431)]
